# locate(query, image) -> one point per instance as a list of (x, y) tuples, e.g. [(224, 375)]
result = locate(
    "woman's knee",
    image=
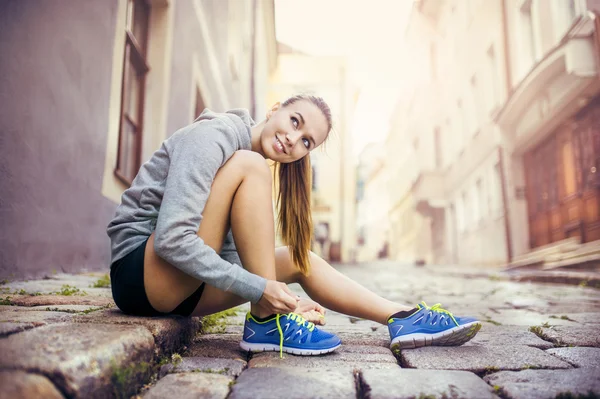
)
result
[(250, 163)]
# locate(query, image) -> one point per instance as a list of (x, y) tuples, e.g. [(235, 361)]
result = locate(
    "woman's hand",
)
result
[(277, 298), (311, 311)]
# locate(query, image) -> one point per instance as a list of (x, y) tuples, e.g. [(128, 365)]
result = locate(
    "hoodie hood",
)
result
[(237, 118)]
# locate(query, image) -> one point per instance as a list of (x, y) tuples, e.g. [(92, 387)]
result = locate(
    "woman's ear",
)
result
[(274, 108)]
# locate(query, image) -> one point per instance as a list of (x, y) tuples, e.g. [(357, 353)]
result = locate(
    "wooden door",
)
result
[(587, 132), (545, 225), (569, 182)]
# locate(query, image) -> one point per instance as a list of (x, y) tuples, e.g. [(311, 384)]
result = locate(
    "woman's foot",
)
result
[(430, 326), (289, 333)]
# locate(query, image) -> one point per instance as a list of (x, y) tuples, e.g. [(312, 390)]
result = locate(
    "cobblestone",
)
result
[(408, 383), (48, 338), (480, 359), (83, 360), (19, 384), (543, 384), (191, 386), (578, 357)]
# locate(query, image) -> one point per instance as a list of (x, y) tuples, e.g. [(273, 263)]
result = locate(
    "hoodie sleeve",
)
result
[(229, 251), (194, 161)]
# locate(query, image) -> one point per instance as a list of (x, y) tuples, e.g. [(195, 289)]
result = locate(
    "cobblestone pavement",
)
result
[(63, 337)]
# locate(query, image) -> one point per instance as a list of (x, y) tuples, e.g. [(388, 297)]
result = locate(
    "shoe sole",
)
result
[(251, 347), (453, 337)]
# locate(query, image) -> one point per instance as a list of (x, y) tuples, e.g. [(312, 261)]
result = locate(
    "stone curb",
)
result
[(83, 360)]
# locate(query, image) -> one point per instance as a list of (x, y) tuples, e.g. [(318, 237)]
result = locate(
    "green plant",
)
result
[(69, 290), (103, 282), (123, 377), (215, 323), (176, 358), (5, 301)]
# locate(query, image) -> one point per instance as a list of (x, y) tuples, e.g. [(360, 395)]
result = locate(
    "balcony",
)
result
[(553, 89)]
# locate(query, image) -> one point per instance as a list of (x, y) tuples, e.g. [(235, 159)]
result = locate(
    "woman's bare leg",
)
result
[(338, 292), (241, 195)]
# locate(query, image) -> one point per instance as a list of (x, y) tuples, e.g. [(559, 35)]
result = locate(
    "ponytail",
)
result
[(294, 213)]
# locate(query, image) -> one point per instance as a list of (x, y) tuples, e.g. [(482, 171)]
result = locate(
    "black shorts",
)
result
[(129, 293)]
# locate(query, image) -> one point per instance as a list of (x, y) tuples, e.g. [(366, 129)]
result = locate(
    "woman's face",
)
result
[(293, 131)]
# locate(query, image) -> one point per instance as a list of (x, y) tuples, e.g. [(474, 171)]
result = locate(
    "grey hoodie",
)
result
[(169, 194)]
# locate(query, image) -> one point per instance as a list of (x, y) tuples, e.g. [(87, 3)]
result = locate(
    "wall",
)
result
[(54, 103)]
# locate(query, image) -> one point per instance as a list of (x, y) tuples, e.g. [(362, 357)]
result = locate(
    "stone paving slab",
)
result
[(578, 357), (7, 328), (576, 336), (409, 384), (293, 383), (480, 359), (330, 360), (47, 300), (18, 384), (82, 360), (585, 318), (191, 386), (508, 335), (521, 317), (16, 314), (230, 367), (543, 384), (225, 346), (170, 332)]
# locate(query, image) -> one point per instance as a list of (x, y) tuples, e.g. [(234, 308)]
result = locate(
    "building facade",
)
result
[(90, 90), (333, 192), (507, 112), (551, 129)]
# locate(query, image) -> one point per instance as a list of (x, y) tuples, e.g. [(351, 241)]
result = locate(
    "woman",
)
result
[(172, 236)]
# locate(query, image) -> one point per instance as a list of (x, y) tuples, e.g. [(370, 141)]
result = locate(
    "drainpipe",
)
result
[(252, 62), (509, 90), (596, 18)]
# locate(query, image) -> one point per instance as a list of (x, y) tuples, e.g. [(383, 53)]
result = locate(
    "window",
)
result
[(563, 14), (433, 61), (135, 68), (461, 125), (466, 219), (481, 203), (493, 95), (496, 190), (477, 106), (437, 142), (528, 43)]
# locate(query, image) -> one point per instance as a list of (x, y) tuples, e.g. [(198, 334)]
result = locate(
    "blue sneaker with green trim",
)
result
[(431, 326), (289, 333)]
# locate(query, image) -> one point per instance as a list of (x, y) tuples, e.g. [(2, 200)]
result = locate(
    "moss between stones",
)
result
[(5, 301), (125, 378), (215, 323), (537, 330), (103, 282), (69, 290)]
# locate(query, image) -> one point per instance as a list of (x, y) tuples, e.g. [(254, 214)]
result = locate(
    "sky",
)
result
[(369, 33)]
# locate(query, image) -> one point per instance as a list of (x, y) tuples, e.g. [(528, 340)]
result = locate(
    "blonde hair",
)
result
[(294, 197)]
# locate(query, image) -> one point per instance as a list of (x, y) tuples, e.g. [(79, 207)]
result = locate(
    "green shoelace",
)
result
[(299, 320)]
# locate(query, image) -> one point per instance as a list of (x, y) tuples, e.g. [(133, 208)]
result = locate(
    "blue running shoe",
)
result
[(431, 326), (289, 333)]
